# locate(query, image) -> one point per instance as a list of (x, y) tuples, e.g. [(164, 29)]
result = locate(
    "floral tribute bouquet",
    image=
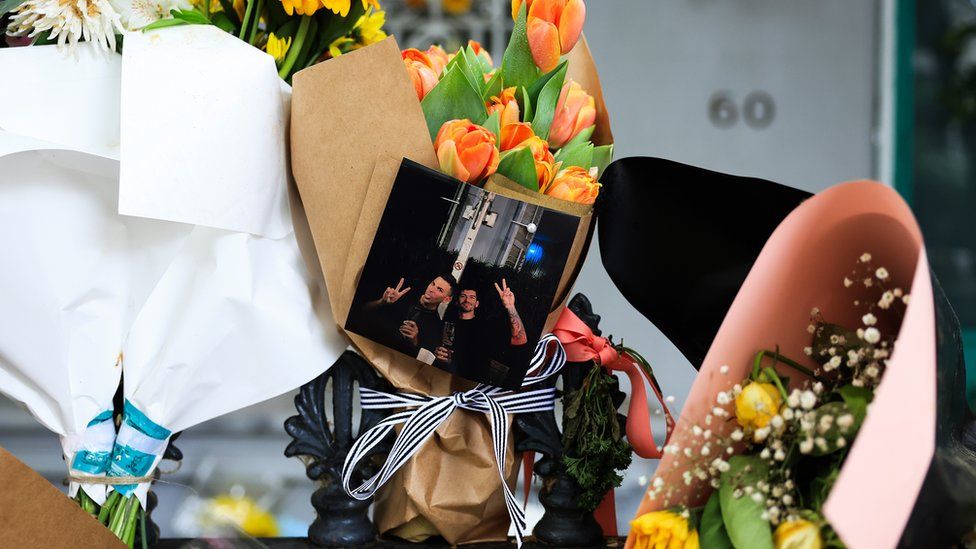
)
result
[(525, 120), (503, 128), (184, 280), (797, 425), (296, 33)]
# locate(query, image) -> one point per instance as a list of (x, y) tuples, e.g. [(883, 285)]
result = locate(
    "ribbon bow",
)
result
[(582, 345), (425, 414)]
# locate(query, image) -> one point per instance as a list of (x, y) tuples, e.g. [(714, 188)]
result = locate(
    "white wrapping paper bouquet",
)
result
[(147, 239)]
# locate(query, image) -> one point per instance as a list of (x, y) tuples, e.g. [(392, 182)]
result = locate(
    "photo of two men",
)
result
[(461, 278)]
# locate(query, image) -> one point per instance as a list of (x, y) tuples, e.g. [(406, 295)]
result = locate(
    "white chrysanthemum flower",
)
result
[(136, 14), (68, 21), (808, 400), (736, 435), (869, 319), (865, 257), (881, 273), (872, 335)]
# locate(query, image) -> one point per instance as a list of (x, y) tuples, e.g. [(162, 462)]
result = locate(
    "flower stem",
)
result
[(106, 510), (246, 23), (295, 48), (142, 528), (791, 363), (774, 378), (252, 33)]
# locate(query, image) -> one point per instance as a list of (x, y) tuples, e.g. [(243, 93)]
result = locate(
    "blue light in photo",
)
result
[(534, 253)]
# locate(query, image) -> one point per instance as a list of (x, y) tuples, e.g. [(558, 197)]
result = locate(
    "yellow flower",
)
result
[(215, 6), (757, 404), (367, 30), (338, 7), (663, 529), (245, 513), (277, 47), (797, 534)]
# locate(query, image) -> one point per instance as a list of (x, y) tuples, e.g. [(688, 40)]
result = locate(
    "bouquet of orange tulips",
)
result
[(524, 120)]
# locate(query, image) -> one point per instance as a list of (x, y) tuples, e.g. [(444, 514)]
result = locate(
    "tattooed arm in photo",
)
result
[(508, 300)]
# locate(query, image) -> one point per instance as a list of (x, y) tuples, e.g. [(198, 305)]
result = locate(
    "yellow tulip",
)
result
[(338, 7), (797, 534), (663, 529), (757, 404)]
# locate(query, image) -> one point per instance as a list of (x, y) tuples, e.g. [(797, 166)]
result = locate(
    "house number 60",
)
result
[(758, 110)]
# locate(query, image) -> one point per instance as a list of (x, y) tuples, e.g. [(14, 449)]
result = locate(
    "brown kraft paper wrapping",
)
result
[(353, 119), (33, 513)]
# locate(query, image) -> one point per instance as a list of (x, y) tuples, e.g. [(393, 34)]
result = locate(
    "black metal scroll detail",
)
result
[(564, 523), (341, 520)]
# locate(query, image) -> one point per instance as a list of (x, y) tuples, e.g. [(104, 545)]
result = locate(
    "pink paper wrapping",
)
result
[(802, 266)]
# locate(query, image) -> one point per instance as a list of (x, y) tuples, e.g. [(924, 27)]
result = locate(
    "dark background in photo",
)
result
[(422, 235)]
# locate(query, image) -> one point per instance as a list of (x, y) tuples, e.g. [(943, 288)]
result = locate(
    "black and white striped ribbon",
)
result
[(426, 414)]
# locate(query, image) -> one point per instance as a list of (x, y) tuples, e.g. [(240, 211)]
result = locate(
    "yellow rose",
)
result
[(757, 404), (797, 534), (663, 529)]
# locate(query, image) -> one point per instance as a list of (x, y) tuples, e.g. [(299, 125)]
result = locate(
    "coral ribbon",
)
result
[(582, 345)]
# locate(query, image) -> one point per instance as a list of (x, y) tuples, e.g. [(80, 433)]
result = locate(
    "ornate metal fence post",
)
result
[(564, 523), (341, 520)]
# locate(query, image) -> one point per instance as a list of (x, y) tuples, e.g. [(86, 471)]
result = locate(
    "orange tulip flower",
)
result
[(553, 28), (438, 58), (519, 135), (480, 51), (466, 151), (505, 104), (575, 185), (421, 71), (575, 111)]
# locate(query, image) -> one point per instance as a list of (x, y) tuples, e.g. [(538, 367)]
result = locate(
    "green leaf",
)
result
[(163, 23), (526, 105), (10, 5), (711, 529), (856, 399), (545, 106), (743, 515), (231, 13), (493, 124), (470, 72), (518, 67), (493, 87), (222, 22), (475, 59), (602, 156), (536, 88), (583, 136), (452, 98), (580, 155), (519, 166), (191, 16)]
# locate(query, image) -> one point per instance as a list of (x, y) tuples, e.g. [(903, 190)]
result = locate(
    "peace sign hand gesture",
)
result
[(391, 295), (508, 298)]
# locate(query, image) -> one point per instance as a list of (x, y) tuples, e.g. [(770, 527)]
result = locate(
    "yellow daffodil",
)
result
[(338, 7), (757, 404), (797, 534), (665, 529), (367, 30), (277, 47)]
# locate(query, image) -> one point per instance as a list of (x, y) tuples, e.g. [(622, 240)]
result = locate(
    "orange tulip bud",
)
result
[(519, 135), (553, 28), (575, 111), (480, 52), (512, 135), (575, 185), (466, 151), (505, 104), (438, 58), (421, 71)]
